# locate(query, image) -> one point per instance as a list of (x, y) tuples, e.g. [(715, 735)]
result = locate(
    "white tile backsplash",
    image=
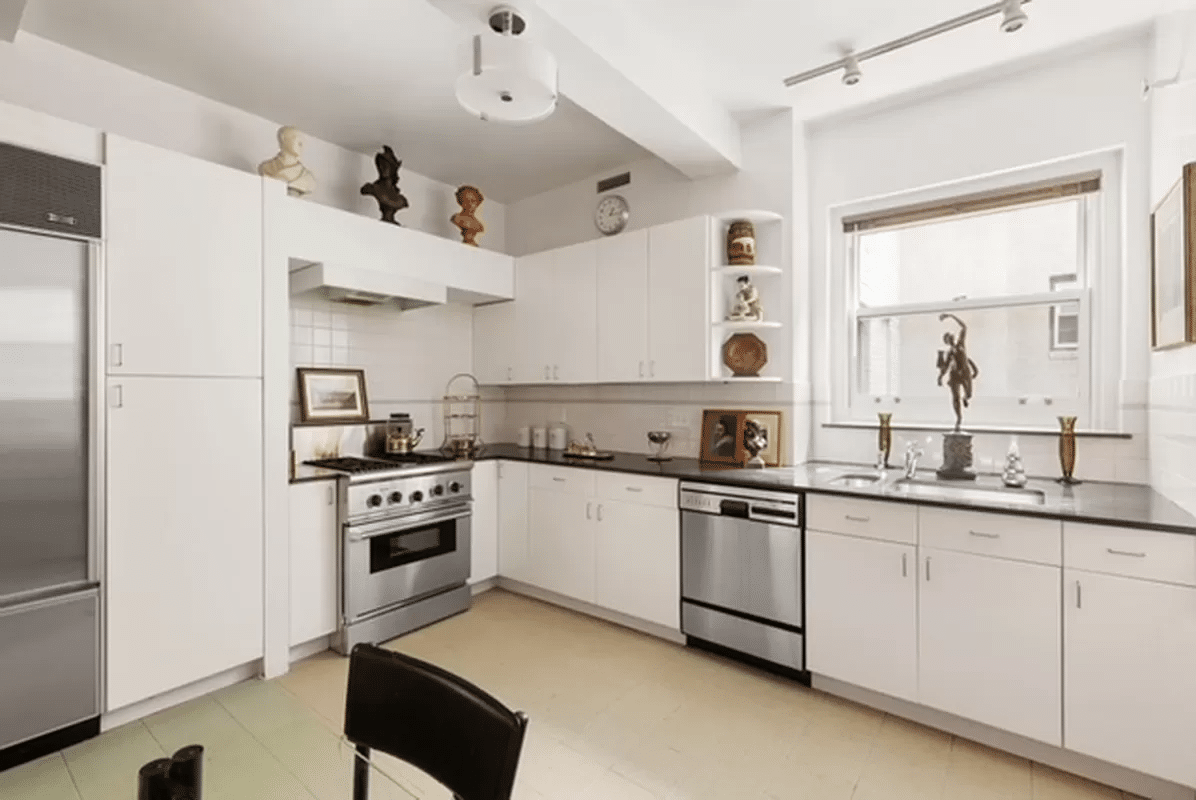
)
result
[(1173, 433)]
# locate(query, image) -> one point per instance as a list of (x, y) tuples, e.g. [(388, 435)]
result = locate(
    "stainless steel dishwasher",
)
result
[(742, 574)]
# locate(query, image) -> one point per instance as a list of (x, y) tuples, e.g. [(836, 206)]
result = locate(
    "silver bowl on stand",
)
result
[(661, 440)]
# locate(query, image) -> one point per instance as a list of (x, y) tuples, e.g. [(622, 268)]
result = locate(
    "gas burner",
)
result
[(351, 464), (416, 458)]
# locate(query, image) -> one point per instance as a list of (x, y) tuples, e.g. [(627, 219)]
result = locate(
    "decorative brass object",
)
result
[(959, 370), (884, 437), (1067, 450)]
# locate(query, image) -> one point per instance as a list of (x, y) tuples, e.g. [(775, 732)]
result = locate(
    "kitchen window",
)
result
[(1018, 264)]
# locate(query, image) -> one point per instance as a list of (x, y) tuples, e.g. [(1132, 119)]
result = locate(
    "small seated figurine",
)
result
[(746, 307), (471, 227), (386, 188), (286, 166), (755, 441)]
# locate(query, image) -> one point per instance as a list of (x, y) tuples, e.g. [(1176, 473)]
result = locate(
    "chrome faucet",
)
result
[(912, 453)]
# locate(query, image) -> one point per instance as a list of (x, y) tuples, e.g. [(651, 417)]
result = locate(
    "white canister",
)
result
[(558, 437), (525, 437), (539, 437)]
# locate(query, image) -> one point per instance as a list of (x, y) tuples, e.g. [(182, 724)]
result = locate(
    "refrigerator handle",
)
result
[(118, 396)]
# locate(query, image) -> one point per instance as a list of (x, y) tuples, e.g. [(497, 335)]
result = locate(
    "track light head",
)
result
[(1013, 16), (851, 70)]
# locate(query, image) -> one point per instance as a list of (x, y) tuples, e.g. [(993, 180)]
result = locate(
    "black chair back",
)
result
[(439, 723)]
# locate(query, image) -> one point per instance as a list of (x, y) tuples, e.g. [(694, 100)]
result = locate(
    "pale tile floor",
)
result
[(614, 714)]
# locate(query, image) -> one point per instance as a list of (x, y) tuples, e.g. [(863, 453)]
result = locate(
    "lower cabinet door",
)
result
[(638, 555), (862, 612), (1130, 673), (483, 561), (184, 533), (514, 555), (990, 641), (561, 534), (314, 542)]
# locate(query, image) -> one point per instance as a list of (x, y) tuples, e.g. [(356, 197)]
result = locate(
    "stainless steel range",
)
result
[(405, 543)]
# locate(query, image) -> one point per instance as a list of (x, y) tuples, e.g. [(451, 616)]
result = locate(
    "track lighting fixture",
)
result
[(851, 69), (1013, 16)]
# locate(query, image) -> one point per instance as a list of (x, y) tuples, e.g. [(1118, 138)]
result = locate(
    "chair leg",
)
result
[(361, 773)]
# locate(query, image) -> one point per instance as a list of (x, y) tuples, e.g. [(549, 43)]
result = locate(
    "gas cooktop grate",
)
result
[(350, 464)]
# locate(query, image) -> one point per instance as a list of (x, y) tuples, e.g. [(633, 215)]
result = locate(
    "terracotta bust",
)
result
[(466, 220), (286, 166)]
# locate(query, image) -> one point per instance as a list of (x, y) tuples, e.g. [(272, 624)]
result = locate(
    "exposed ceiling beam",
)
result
[(11, 12), (610, 67)]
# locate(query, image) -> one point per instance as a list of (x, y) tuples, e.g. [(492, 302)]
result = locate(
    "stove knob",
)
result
[(396, 497), (417, 496), (454, 487), (374, 500), (438, 490)]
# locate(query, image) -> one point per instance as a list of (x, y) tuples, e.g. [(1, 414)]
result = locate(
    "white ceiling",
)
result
[(362, 73)]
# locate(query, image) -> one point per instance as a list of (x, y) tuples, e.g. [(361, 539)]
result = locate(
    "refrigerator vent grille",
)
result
[(49, 193)]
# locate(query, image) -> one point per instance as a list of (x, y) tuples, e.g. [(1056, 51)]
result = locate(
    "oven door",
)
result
[(391, 562)]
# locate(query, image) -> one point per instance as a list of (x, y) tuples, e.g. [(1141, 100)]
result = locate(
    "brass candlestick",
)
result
[(884, 436), (1067, 450)]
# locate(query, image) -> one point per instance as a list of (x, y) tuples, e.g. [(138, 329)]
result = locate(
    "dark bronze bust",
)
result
[(386, 188)]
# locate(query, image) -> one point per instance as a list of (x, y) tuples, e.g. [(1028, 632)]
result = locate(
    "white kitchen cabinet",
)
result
[(514, 559), (495, 343), (184, 264), (990, 641), (862, 612), (638, 561), (315, 538), (623, 308), (483, 563), (534, 316), (678, 288), (1130, 673), (571, 334), (184, 532), (561, 537)]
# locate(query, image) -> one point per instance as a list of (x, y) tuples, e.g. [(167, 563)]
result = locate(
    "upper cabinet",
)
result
[(677, 300), (623, 308), (184, 264)]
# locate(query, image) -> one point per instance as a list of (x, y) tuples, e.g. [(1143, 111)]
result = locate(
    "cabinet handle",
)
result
[(850, 518), (508, 373), (599, 512), (547, 372), (330, 496), (1125, 553), (1079, 596), (905, 565), (558, 480), (555, 376), (928, 569), (641, 369), (635, 488), (118, 397), (984, 535), (588, 510), (118, 355), (652, 368)]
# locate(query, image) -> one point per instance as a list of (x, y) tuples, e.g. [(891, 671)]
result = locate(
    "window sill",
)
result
[(1019, 430)]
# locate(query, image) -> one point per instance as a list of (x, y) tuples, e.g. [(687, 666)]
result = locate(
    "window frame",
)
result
[(1098, 297)]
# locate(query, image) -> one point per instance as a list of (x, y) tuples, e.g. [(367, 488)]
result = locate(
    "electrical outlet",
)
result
[(678, 418)]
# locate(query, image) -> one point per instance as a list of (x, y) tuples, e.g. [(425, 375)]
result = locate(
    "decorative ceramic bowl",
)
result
[(745, 354)]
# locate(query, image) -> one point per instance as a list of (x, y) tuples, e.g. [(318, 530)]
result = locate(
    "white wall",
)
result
[(1172, 405), (619, 416), (1075, 102), (44, 76)]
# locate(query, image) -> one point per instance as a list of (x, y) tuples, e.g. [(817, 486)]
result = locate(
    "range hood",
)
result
[(366, 287)]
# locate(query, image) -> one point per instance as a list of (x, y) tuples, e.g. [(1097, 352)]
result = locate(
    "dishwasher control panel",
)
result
[(782, 508)]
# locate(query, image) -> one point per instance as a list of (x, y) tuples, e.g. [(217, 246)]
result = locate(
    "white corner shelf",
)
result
[(749, 269), (753, 215), (746, 325)]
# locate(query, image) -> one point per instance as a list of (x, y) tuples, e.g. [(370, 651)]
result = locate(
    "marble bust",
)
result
[(286, 166)]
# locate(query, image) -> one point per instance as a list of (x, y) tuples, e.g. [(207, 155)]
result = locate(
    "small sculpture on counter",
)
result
[(386, 188), (286, 166), (746, 306), (1014, 474), (959, 370), (470, 198), (755, 441)]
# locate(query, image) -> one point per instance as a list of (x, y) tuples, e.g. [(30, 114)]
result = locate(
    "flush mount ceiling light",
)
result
[(507, 78), (1013, 18)]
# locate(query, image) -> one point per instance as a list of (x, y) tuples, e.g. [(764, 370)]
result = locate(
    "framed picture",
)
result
[(332, 395), (765, 428), (722, 437), (1173, 265)]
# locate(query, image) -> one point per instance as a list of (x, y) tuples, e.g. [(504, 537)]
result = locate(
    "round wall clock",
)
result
[(612, 214)]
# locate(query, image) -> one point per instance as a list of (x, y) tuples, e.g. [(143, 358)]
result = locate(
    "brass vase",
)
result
[(1067, 449), (884, 436)]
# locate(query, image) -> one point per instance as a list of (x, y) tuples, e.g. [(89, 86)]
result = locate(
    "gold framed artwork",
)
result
[(722, 437), (1173, 265), (762, 433), (332, 395)]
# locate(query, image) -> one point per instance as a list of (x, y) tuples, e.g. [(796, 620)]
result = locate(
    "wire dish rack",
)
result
[(462, 404)]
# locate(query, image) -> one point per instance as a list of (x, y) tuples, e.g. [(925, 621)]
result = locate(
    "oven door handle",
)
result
[(359, 533)]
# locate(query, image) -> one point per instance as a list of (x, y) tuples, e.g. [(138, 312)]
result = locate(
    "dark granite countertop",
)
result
[(1124, 504)]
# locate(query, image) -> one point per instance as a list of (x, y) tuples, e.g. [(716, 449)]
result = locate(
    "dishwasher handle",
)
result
[(734, 508)]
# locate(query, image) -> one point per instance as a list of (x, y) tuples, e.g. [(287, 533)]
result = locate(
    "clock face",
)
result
[(612, 214)]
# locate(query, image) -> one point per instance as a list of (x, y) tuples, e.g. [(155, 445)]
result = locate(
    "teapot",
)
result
[(403, 442)]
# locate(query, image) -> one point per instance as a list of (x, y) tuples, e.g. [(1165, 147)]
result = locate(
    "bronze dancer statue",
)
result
[(957, 368)]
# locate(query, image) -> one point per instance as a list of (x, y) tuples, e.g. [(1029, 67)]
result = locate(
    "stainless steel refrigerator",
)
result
[(49, 570)]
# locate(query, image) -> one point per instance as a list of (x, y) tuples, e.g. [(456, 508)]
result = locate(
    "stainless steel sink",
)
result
[(855, 481), (982, 494)]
